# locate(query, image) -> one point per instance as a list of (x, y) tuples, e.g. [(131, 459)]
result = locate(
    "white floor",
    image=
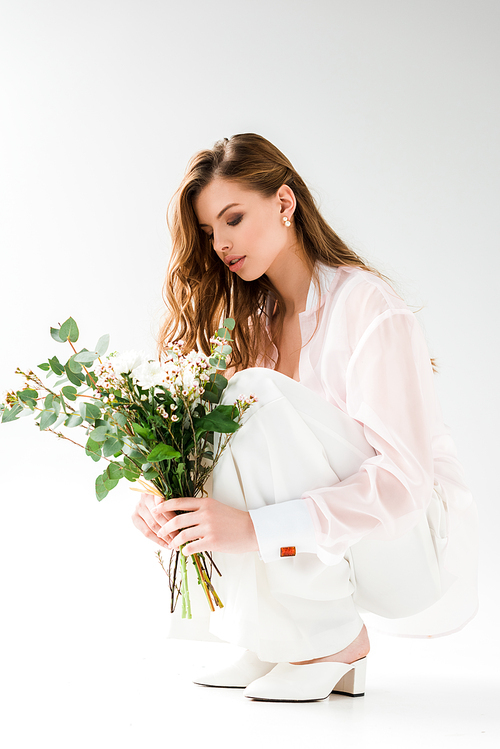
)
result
[(126, 689), (86, 663)]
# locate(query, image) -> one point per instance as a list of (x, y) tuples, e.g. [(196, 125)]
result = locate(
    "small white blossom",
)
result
[(127, 361), (149, 374)]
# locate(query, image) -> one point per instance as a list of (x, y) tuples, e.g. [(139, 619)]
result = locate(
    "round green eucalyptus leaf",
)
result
[(93, 449), (69, 330), (27, 395), (102, 344), (73, 421), (99, 434), (69, 392), (54, 332), (112, 446), (114, 471), (100, 490), (56, 366), (47, 418), (72, 377), (75, 366), (86, 357)]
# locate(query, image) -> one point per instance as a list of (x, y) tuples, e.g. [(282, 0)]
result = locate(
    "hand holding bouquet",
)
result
[(152, 422)]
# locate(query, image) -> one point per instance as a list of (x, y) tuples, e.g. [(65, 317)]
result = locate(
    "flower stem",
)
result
[(186, 603), (201, 578)]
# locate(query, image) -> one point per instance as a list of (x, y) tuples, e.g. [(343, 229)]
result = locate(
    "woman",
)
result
[(339, 494)]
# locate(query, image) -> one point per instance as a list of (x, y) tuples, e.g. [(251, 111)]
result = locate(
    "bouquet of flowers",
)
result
[(152, 422)]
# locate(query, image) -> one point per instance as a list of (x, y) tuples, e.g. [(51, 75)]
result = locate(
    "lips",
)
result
[(233, 259)]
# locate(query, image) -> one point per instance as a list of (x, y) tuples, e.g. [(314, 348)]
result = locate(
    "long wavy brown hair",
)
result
[(199, 289)]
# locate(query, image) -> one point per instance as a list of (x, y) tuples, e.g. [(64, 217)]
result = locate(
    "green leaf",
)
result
[(134, 454), (69, 392), (56, 366), (56, 405), (114, 471), (11, 414), (150, 474), (60, 382), (211, 396), (110, 483), (143, 431), (59, 421), (27, 395), (229, 323), (47, 418), (73, 421), (102, 345), (219, 420), (224, 350), (89, 411), (54, 332), (69, 330), (48, 401), (163, 452), (112, 446), (99, 434), (217, 361), (100, 489), (93, 449), (119, 418), (130, 469), (74, 365), (76, 379), (45, 366), (219, 380), (85, 357), (130, 476)]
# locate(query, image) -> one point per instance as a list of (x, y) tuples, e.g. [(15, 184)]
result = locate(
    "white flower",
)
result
[(149, 374), (128, 361)]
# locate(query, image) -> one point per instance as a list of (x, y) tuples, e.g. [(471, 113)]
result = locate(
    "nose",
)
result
[(221, 244)]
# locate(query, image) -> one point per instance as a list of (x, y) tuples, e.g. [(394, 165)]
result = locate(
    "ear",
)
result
[(287, 200)]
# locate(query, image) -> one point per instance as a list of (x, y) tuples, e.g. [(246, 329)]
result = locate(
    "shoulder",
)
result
[(355, 302), (364, 291)]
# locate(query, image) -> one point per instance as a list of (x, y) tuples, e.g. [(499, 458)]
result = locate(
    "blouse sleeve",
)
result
[(390, 391)]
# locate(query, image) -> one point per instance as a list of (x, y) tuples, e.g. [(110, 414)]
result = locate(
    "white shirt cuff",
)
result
[(284, 529)]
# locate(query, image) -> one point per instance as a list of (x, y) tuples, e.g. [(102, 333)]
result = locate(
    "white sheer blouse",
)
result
[(364, 351)]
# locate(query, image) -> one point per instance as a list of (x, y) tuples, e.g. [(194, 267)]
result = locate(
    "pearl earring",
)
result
[(286, 221)]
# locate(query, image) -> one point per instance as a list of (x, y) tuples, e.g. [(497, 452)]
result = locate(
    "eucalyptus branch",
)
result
[(83, 365)]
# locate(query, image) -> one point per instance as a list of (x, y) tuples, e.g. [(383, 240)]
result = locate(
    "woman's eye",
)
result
[(235, 221)]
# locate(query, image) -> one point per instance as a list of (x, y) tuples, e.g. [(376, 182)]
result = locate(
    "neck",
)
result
[(291, 277)]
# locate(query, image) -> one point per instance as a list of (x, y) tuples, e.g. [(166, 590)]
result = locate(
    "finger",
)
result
[(146, 531), (150, 521), (186, 537), (179, 523), (195, 546), (179, 503)]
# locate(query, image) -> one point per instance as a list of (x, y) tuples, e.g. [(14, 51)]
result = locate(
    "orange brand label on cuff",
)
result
[(287, 551)]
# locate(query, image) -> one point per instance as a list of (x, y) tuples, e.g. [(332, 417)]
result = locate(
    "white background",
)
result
[(389, 110)]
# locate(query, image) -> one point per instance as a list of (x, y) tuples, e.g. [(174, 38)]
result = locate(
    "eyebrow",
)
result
[(219, 215)]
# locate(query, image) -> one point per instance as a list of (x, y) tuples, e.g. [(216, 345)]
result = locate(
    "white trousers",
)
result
[(299, 608)]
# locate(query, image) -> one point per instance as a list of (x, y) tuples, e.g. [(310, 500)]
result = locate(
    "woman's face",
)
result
[(246, 228)]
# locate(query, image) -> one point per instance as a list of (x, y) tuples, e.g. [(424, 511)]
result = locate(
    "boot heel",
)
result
[(353, 683)]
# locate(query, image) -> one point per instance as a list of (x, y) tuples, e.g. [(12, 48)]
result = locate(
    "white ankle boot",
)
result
[(239, 675), (309, 682)]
